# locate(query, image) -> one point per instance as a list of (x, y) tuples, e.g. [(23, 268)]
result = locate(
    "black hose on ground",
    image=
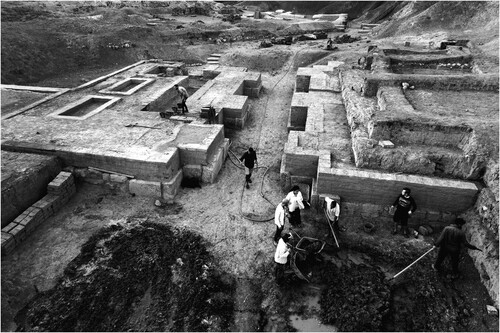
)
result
[(243, 189), (267, 168)]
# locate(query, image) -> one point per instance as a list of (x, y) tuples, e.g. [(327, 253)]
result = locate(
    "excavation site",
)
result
[(253, 166)]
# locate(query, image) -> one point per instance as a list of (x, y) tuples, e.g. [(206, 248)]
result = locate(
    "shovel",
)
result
[(331, 228), (423, 255), (136, 125)]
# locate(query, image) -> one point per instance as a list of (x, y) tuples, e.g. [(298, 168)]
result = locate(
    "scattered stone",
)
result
[(492, 311), (386, 144)]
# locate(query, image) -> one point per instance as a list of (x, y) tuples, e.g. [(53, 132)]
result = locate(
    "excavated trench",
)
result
[(148, 276)]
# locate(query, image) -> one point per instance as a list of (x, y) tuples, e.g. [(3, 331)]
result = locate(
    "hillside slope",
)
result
[(47, 39)]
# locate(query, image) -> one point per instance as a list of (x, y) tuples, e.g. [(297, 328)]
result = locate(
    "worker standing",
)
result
[(332, 209), (183, 95), (249, 160), (450, 242), (295, 204), (279, 219), (211, 115), (281, 257), (405, 206)]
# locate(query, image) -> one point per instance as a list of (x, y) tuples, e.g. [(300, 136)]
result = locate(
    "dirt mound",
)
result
[(146, 277), (421, 17), (258, 59), (367, 295)]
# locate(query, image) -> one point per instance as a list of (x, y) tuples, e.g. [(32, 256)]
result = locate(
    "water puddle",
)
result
[(309, 321)]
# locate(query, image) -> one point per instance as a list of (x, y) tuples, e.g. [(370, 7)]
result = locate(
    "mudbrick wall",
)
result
[(482, 230), (464, 159), (484, 82), (382, 188), (141, 169), (482, 213), (59, 191), (21, 185)]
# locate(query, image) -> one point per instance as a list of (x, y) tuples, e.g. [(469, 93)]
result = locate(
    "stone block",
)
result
[(492, 311), (9, 227), (386, 144), (117, 178), (144, 188), (105, 177), (171, 188), (211, 171)]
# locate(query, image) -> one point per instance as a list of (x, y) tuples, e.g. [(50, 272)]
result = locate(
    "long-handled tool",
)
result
[(331, 228), (423, 255)]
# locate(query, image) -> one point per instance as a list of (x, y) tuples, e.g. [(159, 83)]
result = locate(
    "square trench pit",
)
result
[(85, 107), (127, 87), (165, 69), (428, 63)]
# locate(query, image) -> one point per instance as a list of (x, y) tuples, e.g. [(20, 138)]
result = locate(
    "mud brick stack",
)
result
[(62, 186), (59, 191), (8, 243)]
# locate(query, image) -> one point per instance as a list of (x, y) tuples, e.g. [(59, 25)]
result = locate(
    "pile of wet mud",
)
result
[(143, 277), (361, 295), (356, 298)]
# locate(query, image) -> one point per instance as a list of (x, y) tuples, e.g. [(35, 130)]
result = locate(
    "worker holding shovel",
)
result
[(450, 242), (332, 209)]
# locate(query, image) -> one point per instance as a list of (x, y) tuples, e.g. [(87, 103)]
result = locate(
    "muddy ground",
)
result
[(108, 261)]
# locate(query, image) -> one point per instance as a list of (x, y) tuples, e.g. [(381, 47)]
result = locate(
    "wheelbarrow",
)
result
[(302, 252)]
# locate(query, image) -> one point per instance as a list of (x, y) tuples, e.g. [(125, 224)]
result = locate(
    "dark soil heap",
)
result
[(355, 299), (146, 277)]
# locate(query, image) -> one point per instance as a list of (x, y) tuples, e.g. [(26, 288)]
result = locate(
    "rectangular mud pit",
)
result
[(85, 107)]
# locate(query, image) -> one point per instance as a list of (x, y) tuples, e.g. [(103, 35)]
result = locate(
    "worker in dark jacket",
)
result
[(405, 206), (450, 242), (249, 160)]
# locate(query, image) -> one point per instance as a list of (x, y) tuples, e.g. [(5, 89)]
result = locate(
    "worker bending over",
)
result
[(450, 242), (332, 209)]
